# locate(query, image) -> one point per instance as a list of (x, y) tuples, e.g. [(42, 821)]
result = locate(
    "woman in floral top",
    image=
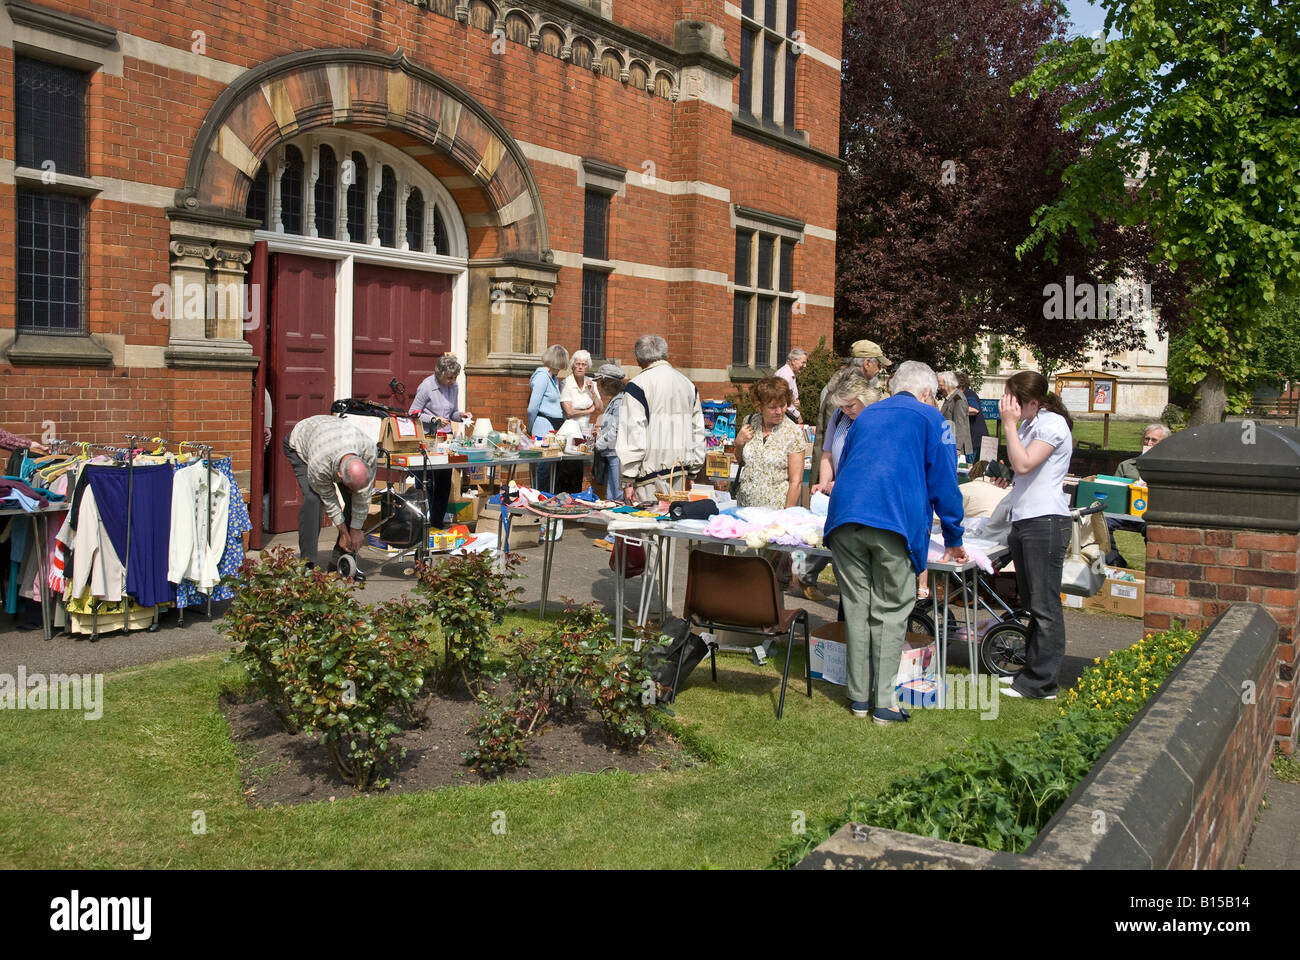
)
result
[(770, 448)]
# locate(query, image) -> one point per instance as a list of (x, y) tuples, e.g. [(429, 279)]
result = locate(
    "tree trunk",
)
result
[(1211, 401)]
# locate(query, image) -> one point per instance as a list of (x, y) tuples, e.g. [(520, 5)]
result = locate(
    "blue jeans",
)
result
[(1038, 548), (613, 490)]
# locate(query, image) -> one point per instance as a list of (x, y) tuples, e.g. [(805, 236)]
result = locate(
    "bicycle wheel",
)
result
[(1003, 649)]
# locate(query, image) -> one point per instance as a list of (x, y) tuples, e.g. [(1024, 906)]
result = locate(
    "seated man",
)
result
[(331, 454), (987, 485), (1152, 435)]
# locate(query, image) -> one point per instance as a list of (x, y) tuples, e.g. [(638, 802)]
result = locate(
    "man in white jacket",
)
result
[(661, 426)]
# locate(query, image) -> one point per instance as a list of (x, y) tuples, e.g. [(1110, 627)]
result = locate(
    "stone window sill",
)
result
[(55, 350)]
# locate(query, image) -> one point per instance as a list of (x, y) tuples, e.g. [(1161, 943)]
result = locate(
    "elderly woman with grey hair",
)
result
[(437, 404), (850, 394), (544, 411), (955, 411)]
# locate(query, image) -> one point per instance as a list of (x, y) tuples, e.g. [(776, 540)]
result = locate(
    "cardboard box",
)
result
[(717, 464), (401, 435), (1125, 597), (827, 661)]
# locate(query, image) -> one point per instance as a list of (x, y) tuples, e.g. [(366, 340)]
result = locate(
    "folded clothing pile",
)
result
[(760, 526)]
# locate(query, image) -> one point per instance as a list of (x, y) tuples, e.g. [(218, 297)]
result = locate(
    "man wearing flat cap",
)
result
[(873, 361), (864, 356)]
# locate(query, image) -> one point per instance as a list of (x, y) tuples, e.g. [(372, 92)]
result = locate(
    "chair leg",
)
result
[(713, 660), (785, 674)]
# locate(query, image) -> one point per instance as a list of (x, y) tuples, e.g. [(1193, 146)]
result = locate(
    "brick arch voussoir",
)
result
[(308, 91)]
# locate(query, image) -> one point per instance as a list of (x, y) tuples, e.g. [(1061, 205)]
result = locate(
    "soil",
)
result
[(281, 768)]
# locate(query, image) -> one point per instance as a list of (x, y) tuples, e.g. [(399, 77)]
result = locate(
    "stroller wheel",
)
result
[(920, 623), (1003, 648)]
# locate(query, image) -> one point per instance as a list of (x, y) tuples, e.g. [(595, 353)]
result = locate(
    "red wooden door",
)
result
[(401, 324), (301, 378)]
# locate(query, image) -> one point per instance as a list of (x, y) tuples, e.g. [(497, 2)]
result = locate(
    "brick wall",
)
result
[(142, 125), (1219, 827), (1193, 575)]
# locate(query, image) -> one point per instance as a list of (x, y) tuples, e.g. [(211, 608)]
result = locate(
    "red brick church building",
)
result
[(204, 201)]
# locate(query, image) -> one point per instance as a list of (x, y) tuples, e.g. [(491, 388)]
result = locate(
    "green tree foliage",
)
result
[(1193, 129)]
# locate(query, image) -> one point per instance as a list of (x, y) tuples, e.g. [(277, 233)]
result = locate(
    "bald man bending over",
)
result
[(328, 454)]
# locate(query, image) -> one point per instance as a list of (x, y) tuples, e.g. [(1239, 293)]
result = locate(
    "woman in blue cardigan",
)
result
[(544, 411)]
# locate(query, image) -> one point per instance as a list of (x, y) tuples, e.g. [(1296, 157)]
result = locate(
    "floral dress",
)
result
[(765, 477)]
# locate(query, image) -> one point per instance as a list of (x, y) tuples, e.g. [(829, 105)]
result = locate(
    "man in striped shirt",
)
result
[(330, 454)]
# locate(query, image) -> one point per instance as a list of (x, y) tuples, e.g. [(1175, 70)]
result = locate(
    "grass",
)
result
[(1286, 768), (1124, 434), (123, 791), (1132, 548)]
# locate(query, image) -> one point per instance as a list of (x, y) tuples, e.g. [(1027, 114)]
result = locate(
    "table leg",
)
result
[(941, 642), (650, 578), (40, 529), (972, 627), (548, 553)]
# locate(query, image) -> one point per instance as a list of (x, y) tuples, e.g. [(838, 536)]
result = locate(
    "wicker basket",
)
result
[(676, 496)]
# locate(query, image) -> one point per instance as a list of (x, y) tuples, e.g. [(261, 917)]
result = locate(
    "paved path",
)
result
[(581, 571)]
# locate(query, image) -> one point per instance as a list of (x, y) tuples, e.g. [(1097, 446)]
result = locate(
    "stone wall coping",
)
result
[(1146, 784)]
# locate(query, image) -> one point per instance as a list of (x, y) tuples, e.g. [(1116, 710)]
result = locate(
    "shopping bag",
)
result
[(686, 647), (635, 556), (1082, 575)]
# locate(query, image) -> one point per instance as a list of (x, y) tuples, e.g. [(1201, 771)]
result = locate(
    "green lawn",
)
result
[(122, 791), (1124, 434)]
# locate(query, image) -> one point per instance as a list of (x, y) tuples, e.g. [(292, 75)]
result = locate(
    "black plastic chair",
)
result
[(740, 593)]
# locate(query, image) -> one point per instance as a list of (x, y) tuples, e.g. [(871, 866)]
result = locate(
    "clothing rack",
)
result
[(141, 443), (207, 463)]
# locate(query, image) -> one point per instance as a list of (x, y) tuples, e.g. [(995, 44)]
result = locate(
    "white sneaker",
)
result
[(1006, 681), (1013, 692)]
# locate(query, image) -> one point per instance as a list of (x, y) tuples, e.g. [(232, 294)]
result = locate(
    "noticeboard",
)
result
[(989, 408), (1083, 392)]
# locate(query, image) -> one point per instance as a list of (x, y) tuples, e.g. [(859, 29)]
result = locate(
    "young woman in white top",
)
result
[(1039, 447)]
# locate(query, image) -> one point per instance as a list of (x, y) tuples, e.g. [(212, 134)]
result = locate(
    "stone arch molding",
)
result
[(317, 90), (322, 88)]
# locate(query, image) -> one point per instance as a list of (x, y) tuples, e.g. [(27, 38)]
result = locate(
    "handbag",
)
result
[(1081, 576), (599, 470)]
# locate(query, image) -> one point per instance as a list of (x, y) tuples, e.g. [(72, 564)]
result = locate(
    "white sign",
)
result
[(833, 657), (988, 448), (1076, 397)]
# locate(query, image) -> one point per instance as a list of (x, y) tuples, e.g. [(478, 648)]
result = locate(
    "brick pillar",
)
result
[(1224, 527)]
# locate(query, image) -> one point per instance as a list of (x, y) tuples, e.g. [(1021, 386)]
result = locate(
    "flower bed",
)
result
[(999, 795)]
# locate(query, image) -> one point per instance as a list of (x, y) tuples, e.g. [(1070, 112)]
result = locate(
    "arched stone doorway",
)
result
[(507, 270)]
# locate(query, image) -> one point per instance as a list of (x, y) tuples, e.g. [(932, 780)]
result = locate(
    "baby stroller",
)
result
[(1003, 636)]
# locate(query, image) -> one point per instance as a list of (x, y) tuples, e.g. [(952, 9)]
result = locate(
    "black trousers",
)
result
[(1038, 548), (309, 513), (439, 493)]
